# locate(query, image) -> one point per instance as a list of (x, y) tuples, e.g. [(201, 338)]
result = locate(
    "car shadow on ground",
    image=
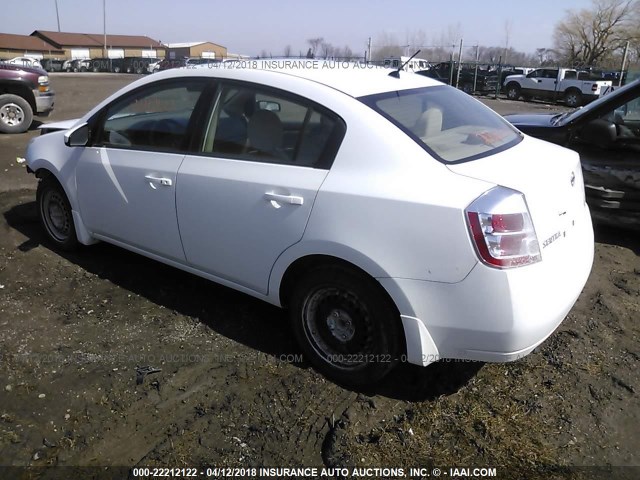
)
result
[(35, 124), (612, 235), (237, 316)]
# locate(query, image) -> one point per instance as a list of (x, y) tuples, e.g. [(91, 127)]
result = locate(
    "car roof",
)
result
[(354, 79)]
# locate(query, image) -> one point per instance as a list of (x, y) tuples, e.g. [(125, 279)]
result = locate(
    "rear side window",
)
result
[(449, 124), (258, 124)]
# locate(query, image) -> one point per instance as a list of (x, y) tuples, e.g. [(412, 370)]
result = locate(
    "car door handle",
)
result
[(166, 182), (290, 199)]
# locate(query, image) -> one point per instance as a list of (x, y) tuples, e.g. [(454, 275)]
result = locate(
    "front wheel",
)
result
[(16, 114), (346, 326), (55, 214)]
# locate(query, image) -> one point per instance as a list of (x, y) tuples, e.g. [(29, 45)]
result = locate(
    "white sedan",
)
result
[(25, 62), (396, 218)]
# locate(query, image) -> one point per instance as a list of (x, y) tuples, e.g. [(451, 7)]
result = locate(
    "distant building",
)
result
[(91, 45), (27, 46), (195, 49)]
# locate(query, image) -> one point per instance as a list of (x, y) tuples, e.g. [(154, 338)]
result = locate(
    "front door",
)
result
[(127, 177)]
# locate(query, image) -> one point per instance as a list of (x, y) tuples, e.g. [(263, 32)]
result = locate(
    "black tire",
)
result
[(573, 98), (139, 70), (16, 114), (345, 324), (116, 69), (513, 91), (467, 88), (96, 69), (55, 215)]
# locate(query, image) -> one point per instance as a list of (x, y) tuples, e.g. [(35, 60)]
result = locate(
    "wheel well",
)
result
[(302, 265), (43, 173), (20, 90), (572, 89), (297, 269), (513, 84)]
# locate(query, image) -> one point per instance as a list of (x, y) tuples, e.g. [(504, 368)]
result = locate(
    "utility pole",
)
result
[(459, 63), (475, 74), (368, 51), (624, 62), (57, 15), (104, 25)]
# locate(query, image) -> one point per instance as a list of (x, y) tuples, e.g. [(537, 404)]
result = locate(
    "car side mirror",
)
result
[(599, 132), (77, 137)]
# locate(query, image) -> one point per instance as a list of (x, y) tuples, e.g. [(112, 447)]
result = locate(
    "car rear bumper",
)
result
[(493, 315), (45, 102)]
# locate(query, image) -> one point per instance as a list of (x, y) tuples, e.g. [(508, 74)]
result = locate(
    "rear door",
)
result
[(246, 196)]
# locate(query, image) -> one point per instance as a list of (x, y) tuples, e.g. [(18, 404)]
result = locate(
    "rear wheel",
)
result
[(573, 98), (467, 88), (116, 69), (513, 91), (55, 214), (16, 114), (346, 326)]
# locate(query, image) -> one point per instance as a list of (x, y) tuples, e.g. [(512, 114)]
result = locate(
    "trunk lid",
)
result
[(550, 177)]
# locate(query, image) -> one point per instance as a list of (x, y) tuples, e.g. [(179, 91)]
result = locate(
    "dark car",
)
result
[(24, 92), (78, 65), (484, 82), (169, 63), (136, 64), (52, 64), (114, 65), (606, 134)]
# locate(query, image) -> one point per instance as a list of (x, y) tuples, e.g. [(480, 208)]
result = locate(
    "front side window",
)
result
[(626, 118), (262, 125), (449, 124), (154, 118)]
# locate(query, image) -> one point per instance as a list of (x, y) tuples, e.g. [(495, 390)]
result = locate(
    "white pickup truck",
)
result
[(556, 84)]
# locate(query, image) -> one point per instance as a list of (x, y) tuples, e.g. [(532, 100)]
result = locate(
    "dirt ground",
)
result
[(232, 389)]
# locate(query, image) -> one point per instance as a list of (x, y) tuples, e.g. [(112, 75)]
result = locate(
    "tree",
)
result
[(287, 51), (593, 36), (327, 50), (315, 44)]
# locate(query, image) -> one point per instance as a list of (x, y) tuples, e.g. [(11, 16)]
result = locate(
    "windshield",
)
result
[(610, 97), (449, 124)]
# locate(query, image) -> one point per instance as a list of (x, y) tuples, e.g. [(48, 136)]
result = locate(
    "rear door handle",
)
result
[(166, 182), (290, 199)]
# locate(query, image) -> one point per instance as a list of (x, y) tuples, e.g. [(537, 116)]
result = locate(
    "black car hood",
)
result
[(531, 120)]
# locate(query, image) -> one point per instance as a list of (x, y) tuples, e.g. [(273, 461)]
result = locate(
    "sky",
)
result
[(253, 26)]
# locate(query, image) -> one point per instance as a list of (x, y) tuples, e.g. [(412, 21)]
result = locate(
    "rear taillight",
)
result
[(501, 229), (594, 87)]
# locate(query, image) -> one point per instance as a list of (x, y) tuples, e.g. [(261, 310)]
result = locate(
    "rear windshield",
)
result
[(449, 124)]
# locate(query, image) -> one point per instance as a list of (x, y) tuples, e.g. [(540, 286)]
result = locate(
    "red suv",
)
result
[(24, 91)]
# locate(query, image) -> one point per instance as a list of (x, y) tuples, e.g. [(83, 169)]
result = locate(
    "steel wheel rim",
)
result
[(11, 114), (56, 215), (338, 327)]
